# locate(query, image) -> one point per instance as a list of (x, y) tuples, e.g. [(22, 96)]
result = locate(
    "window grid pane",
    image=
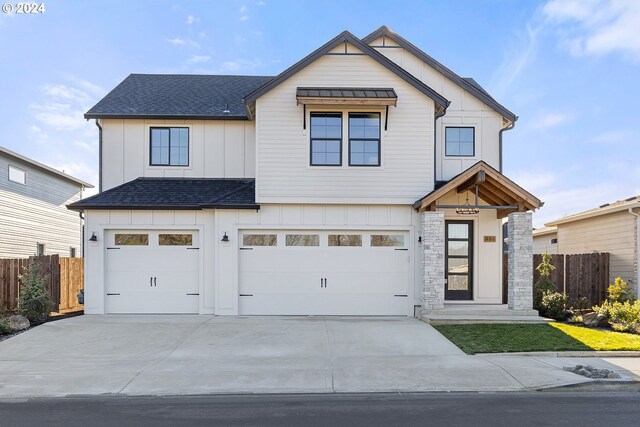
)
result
[(326, 139), (260, 240), (345, 240), (364, 139), (132, 239), (175, 239), (302, 240), (459, 141), (170, 146)]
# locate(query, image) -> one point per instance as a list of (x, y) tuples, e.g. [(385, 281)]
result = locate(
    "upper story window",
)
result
[(17, 175), (460, 141), (169, 146), (364, 139), (326, 139)]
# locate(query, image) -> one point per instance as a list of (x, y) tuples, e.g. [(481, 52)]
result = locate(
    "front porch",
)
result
[(462, 249)]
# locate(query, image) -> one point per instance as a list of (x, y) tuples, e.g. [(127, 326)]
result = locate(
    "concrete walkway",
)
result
[(174, 355)]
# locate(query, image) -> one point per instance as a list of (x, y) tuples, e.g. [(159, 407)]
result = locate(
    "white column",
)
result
[(520, 289), (433, 260)]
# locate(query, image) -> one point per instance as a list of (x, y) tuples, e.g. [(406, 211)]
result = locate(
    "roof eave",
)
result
[(593, 214), (90, 116)]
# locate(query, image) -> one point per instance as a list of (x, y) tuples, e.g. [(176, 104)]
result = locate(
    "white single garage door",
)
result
[(152, 271), (350, 272)]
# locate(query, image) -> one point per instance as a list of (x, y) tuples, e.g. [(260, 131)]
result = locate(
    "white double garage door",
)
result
[(281, 272)]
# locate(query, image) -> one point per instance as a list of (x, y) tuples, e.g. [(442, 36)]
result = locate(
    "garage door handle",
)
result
[(154, 281), (150, 281), (321, 282)]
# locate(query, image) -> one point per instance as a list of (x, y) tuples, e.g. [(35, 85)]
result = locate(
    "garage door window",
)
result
[(345, 240), (132, 239), (260, 240), (302, 240), (387, 240), (175, 240)]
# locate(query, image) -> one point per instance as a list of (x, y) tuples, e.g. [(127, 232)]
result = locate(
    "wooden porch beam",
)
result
[(504, 199), (477, 178), (489, 198)]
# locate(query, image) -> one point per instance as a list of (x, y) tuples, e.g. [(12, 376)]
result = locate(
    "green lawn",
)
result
[(503, 338)]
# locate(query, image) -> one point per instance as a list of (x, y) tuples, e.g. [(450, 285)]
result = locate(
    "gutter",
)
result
[(99, 155), (511, 126), (435, 141), (637, 215)]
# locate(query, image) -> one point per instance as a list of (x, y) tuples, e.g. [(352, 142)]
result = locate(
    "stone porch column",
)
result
[(432, 260), (520, 284)]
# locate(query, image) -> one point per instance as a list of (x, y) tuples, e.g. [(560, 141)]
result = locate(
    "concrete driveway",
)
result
[(170, 355)]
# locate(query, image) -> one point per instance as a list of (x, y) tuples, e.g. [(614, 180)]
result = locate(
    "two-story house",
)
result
[(363, 180), (34, 219)]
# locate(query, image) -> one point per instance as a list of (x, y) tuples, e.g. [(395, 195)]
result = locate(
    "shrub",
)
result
[(554, 305), (540, 289), (575, 319), (545, 267), (4, 326), (34, 301), (619, 291), (622, 316), (580, 305)]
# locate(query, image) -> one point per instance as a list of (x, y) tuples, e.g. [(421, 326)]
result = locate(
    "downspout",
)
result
[(99, 155), (435, 141), (511, 126), (637, 215)]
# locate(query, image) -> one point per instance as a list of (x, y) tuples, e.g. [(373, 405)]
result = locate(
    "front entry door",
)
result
[(459, 257)]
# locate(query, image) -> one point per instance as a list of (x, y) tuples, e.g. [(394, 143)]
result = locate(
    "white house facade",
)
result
[(363, 180)]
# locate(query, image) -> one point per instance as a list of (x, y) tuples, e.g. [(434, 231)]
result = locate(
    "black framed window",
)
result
[(364, 139), (459, 141), (40, 249), (169, 146), (326, 139)]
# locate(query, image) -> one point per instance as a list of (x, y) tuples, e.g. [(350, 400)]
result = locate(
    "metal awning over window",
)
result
[(346, 96)]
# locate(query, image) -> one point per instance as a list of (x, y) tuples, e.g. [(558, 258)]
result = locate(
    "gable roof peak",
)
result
[(467, 84)]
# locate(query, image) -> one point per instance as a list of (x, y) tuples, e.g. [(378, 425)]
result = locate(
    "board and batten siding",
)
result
[(217, 149), (465, 110), (284, 174), (36, 212), (614, 233)]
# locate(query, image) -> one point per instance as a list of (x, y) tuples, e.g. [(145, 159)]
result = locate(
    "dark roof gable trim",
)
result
[(346, 36), (463, 83)]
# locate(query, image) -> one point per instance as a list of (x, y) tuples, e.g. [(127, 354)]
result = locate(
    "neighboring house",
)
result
[(545, 239), (612, 228), (34, 219), (329, 189)]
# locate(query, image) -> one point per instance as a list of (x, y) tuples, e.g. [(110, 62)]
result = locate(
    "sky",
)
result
[(569, 69)]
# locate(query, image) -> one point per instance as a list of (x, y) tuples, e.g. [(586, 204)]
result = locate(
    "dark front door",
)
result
[(458, 260)]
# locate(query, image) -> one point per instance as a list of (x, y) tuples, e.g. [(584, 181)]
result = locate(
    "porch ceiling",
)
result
[(494, 188)]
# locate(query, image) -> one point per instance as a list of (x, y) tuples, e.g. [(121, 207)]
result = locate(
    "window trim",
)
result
[(44, 249), (311, 138), (379, 139), (72, 252), (17, 169), (459, 127), (151, 128)]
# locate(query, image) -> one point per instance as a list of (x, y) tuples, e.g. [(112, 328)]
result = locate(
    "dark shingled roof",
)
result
[(177, 96), (346, 92), (175, 194)]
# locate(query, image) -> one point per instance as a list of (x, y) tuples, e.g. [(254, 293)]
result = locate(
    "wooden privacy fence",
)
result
[(65, 278), (580, 275)]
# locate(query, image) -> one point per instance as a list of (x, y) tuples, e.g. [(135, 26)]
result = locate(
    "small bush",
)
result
[(622, 316), (540, 289), (580, 305), (554, 305), (34, 302), (4, 326), (575, 319), (619, 291)]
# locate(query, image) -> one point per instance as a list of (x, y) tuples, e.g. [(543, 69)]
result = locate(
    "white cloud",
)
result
[(597, 27), (177, 41), (191, 19), (550, 120), (243, 9), (244, 65), (614, 137), (516, 58), (262, 3), (194, 59), (244, 18)]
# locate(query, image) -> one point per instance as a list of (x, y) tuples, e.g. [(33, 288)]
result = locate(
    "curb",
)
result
[(621, 353), (595, 385)]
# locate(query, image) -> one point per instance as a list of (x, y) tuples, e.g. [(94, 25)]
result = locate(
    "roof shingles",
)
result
[(175, 193)]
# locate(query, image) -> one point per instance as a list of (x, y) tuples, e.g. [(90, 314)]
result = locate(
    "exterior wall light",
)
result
[(93, 237), (225, 238)]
